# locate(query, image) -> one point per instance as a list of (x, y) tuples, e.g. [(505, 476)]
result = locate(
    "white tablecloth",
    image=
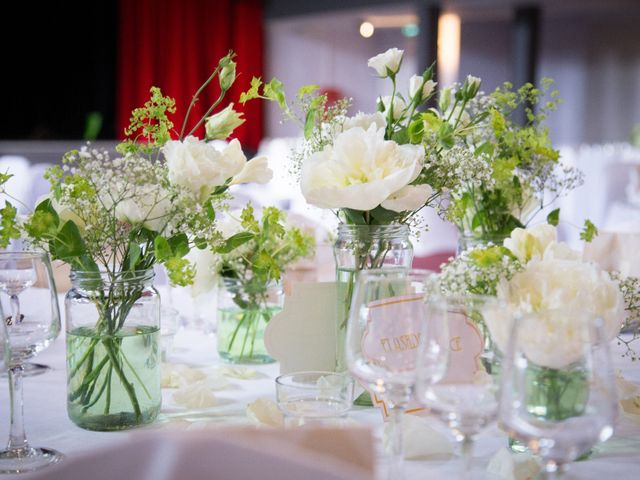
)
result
[(47, 423)]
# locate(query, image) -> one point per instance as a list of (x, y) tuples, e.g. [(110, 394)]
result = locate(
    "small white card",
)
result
[(303, 336)]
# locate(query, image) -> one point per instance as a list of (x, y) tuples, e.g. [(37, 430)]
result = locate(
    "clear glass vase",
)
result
[(113, 354), (363, 247), (244, 309), (554, 394)]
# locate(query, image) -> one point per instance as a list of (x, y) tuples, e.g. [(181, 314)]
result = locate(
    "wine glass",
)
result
[(451, 380), (558, 397), (382, 340), (31, 326), (29, 369)]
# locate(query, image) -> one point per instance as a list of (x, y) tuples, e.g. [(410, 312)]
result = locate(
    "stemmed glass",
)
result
[(451, 380), (31, 327), (382, 340), (558, 398)]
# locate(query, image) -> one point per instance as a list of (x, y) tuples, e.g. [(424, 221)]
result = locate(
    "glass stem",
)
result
[(467, 452), (396, 467), (15, 310), (17, 436)]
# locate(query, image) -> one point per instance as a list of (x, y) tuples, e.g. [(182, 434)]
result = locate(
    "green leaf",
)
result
[(554, 217), (133, 255), (235, 241), (383, 216), (211, 212), (274, 90), (589, 231), (68, 243), (445, 135), (307, 89), (162, 249), (416, 131), (200, 243), (355, 217), (253, 92), (179, 245), (309, 123), (486, 148)]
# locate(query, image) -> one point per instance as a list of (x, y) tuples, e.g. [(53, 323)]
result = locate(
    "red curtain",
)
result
[(176, 44)]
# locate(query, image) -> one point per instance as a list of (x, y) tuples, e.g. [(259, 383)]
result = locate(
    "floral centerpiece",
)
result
[(518, 172), (112, 220), (535, 275), (250, 279), (377, 170)]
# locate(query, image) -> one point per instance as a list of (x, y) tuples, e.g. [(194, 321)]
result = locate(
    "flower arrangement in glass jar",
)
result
[(112, 220), (250, 279)]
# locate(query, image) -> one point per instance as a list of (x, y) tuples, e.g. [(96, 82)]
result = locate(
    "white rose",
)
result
[(360, 170), (408, 198), (365, 120), (200, 167), (255, 170), (417, 85), (557, 298), (528, 243), (148, 208), (387, 63), (398, 105)]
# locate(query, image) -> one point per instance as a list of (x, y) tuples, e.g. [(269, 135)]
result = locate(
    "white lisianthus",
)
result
[(472, 85), (64, 212), (365, 120), (408, 198), (557, 297), (199, 167), (223, 123), (227, 75), (360, 170), (388, 63), (151, 208), (417, 85), (398, 105), (255, 170), (531, 242), (206, 263)]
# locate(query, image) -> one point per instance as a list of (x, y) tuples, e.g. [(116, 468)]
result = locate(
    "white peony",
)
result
[(365, 120), (150, 208), (387, 63), (360, 171), (418, 85), (398, 106), (557, 297), (408, 198), (530, 243), (200, 167)]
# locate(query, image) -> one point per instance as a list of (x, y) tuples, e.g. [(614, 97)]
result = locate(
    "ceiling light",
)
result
[(367, 29)]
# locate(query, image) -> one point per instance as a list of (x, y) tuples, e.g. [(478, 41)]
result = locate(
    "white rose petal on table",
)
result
[(513, 466)]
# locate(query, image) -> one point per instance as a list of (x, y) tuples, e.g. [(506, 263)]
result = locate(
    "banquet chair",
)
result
[(216, 455)]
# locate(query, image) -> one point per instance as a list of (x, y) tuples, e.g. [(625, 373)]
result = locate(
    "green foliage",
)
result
[(554, 217), (260, 253), (589, 231), (150, 122)]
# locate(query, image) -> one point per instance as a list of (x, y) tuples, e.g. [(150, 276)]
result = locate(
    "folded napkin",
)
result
[(513, 466), (421, 441), (265, 412)]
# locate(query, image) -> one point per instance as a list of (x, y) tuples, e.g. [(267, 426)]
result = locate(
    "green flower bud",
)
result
[(223, 123)]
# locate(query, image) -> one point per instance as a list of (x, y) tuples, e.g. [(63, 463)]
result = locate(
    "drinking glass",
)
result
[(314, 398), (536, 406), (451, 380), (31, 326), (382, 339)]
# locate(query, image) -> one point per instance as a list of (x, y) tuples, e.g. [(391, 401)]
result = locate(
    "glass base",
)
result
[(31, 369), (21, 460), (250, 360)]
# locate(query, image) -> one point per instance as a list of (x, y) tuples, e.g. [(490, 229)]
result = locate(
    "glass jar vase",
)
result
[(363, 247), (467, 240), (113, 354), (244, 309)]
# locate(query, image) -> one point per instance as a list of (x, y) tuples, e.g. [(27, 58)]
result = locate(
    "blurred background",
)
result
[(73, 72)]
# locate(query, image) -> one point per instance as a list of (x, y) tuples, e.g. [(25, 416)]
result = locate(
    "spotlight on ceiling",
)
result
[(367, 29), (410, 30)]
